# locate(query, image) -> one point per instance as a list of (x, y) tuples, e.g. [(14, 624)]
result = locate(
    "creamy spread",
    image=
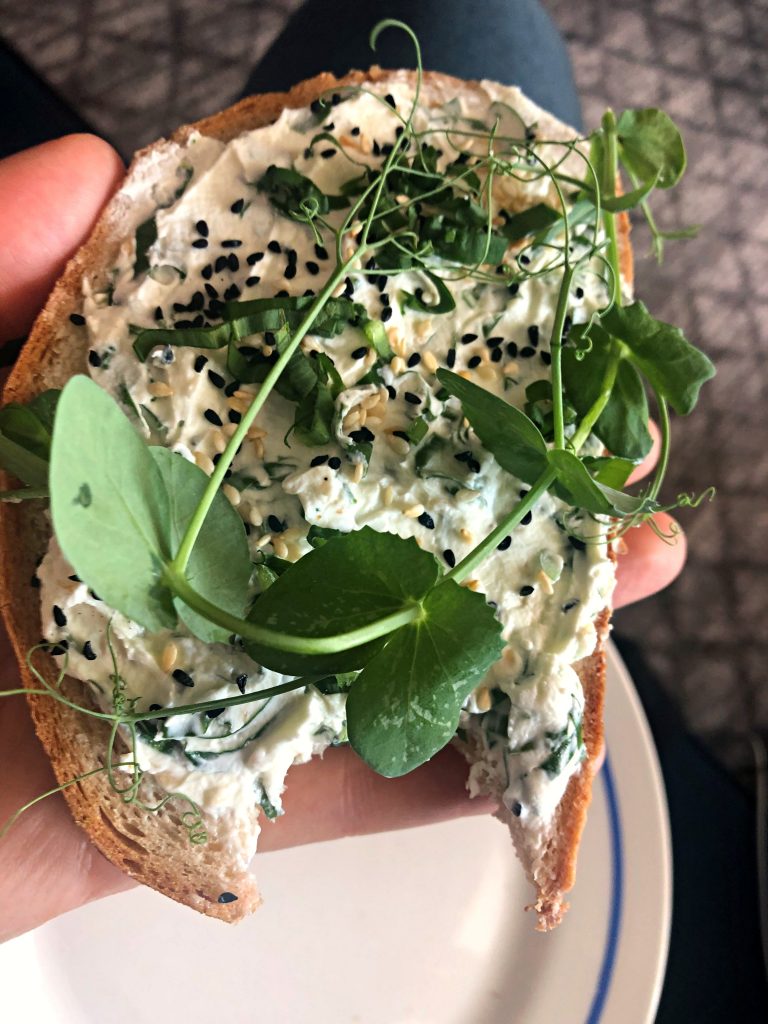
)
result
[(219, 239)]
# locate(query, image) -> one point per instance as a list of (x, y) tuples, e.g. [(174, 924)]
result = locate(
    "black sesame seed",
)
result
[(376, 148), (496, 355), (336, 99), (275, 525), (414, 359), (385, 314), (200, 243), (354, 131), (474, 361), (516, 808), (390, 99), (411, 398), (158, 313), (274, 247), (251, 282), (319, 460), (494, 342), (318, 106), (233, 263), (59, 617), (202, 228), (384, 296), (402, 435), (504, 544), (88, 652), (234, 416), (525, 260), (391, 392), (386, 149), (240, 682), (326, 154), (227, 897), (290, 271), (181, 324), (197, 301), (255, 257), (308, 293), (463, 456), (321, 252), (216, 379), (360, 353), (578, 544), (546, 358), (60, 648), (334, 462), (329, 127), (427, 521), (77, 319), (579, 293), (74, 579), (513, 288), (207, 272), (450, 359), (179, 307), (362, 436), (449, 557), (199, 320), (94, 358), (35, 582), (233, 292), (215, 712), (570, 604), (370, 264), (200, 363), (220, 264), (213, 293), (183, 678), (526, 591), (467, 338), (231, 243), (533, 334), (526, 520), (213, 417), (527, 352), (512, 349), (238, 206)]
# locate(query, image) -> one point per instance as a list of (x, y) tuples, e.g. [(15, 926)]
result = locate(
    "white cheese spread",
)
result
[(220, 239)]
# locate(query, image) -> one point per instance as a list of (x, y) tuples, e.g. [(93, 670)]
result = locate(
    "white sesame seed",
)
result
[(466, 495), (280, 547), (169, 656), (430, 362), (159, 389), (414, 511), (545, 583), (255, 517), (370, 400), (370, 359), (470, 584), (465, 535), (397, 366), (218, 440), (263, 541), (512, 369), (398, 445), (357, 473), (388, 495), (256, 433), (231, 494), (483, 699), (229, 428), (204, 462), (246, 396)]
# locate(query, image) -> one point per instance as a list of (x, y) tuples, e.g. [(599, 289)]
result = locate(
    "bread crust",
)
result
[(148, 847)]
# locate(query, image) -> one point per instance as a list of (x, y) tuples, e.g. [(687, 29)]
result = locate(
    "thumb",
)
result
[(50, 197)]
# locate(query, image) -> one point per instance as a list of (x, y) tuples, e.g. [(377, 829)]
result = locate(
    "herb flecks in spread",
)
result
[(381, 391)]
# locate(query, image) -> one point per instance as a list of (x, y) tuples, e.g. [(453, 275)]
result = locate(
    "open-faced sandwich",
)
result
[(323, 410)]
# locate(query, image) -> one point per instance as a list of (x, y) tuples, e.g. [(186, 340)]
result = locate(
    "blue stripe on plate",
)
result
[(617, 897)]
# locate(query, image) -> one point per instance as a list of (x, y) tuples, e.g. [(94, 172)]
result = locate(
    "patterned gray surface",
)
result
[(137, 70)]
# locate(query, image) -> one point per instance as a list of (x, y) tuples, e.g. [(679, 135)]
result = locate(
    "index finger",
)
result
[(50, 198)]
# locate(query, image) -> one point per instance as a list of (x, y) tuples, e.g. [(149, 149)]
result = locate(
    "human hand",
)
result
[(50, 197)]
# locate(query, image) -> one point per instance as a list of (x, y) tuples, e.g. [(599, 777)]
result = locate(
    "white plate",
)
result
[(415, 927)]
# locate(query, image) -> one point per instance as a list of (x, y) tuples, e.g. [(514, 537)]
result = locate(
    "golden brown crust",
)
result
[(149, 849)]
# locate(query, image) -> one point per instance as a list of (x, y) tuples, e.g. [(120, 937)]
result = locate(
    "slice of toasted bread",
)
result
[(153, 848)]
